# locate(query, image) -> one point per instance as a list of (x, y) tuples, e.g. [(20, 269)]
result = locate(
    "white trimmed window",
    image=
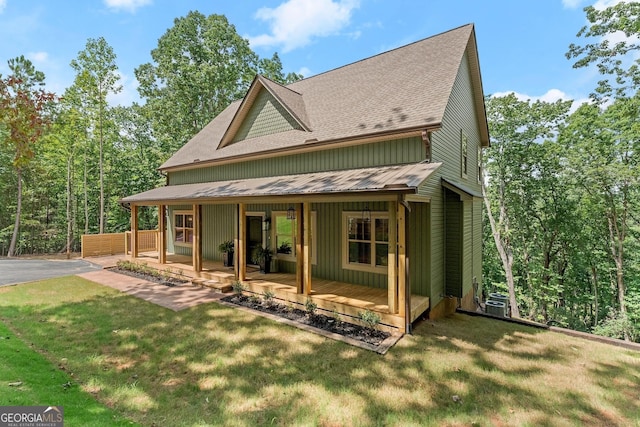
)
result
[(183, 228), (366, 241), (479, 164), (284, 236), (464, 158)]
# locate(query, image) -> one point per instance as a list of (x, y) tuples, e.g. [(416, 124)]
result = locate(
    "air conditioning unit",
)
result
[(496, 308), (494, 296)]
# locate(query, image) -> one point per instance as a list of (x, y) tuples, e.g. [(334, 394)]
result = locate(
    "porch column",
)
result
[(392, 273), (134, 231), (162, 234), (196, 248), (300, 274), (240, 248), (306, 243), (402, 260)]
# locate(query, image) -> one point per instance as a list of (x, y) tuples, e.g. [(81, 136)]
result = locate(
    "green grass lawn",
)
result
[(215, 365)]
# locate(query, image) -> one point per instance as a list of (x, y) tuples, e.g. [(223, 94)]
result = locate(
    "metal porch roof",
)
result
[(399, 178)]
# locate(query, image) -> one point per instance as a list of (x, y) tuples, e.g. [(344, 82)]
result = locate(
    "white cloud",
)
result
[(295, 23), (603, 4), (126, 5), (3, 4), (306, 72), (38, 57), (552, 95), (571, 4)]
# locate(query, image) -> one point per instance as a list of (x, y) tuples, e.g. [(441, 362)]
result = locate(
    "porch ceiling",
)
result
[(396, 178)]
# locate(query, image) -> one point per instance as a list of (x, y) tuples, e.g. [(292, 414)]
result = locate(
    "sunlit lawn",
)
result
[(214, 365)]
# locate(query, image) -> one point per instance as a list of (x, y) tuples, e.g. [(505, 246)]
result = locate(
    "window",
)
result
[(465, 154), (366, 241), (284, 236), (479, 164), (285, 232), (183, 228)]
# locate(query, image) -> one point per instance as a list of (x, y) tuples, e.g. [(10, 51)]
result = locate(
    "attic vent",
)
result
[(196, 160), (311, 140)]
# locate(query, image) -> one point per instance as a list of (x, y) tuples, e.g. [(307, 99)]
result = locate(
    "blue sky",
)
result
[(521, 43)]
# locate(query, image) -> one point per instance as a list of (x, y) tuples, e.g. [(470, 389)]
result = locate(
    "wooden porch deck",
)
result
[(345, 298)]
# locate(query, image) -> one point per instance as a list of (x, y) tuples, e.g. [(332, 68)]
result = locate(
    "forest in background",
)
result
[(562, 225)]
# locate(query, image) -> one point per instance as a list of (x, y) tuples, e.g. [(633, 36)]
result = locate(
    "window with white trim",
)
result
[(284, 235), (479, 164), (183, 228), (366, 241), (464, 158)]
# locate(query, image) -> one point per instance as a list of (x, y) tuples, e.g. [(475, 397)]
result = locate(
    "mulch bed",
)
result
[(166, 281), (356, 332)]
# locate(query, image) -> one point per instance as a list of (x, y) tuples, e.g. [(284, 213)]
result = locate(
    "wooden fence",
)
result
[(117, 243)]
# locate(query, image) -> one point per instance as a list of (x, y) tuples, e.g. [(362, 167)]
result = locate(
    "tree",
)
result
[(603, 157), (23, 115), (610, 56), (97, 77), (515, 167), (272, 69), (200, 66)]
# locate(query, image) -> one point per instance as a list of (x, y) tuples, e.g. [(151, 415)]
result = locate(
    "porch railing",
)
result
[(147, 241)]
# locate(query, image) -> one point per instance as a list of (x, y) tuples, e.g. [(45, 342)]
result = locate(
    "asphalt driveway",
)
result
[(14, 271)]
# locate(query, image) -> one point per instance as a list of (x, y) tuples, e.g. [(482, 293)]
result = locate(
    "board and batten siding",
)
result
[(453, 244), (420, 248), (217, 226), (266, 116), (401, 151), (459, 118)]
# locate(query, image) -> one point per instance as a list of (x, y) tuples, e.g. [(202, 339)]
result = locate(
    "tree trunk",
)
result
[(594, 278), (101, 177), (16, 226), (86, 197), (617, 237), (506, 256), (69, 228)]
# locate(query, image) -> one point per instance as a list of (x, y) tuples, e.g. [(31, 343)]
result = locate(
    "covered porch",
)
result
[(364, 260)]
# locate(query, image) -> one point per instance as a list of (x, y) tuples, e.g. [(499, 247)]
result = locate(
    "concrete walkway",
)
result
[(175, 298)]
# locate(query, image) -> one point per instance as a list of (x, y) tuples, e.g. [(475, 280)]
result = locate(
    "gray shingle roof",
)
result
[(404, 89), (404, 178)]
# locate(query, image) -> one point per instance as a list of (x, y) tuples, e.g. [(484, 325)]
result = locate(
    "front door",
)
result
[(254, 237)]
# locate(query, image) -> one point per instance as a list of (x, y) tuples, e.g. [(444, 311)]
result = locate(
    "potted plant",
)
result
[(284, 248), (226, 248), (262, 256)]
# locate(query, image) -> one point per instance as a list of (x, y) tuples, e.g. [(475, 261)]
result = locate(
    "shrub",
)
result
[(369, 318), (268, 296), (238, 287), (616, 325), (310, 306)]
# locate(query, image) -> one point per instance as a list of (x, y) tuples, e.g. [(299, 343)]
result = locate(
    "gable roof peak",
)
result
[(289, 99)]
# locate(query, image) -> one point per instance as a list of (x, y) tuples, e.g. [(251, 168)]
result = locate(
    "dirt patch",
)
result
[(331, 324)]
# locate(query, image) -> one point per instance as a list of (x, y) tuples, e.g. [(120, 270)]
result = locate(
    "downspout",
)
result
[(407, 276)]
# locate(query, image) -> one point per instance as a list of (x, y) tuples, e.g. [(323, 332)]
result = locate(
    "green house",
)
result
[(364, 181)]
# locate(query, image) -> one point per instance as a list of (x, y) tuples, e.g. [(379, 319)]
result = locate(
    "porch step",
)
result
[(221, 287), (198, 281)]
